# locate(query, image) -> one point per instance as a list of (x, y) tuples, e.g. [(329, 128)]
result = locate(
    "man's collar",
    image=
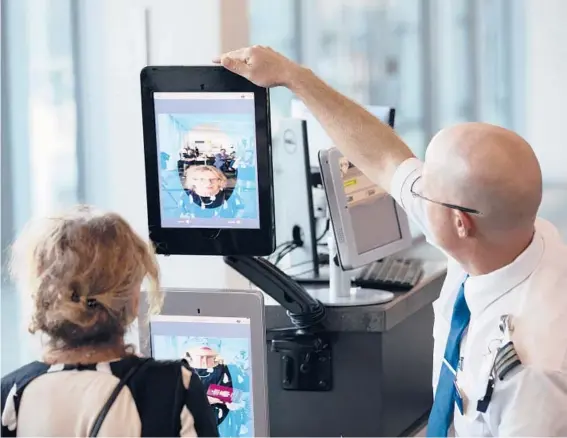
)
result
[(482, 290)]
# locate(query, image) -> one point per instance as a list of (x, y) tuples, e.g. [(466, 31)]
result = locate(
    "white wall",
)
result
[(113, 44), (546, 92)]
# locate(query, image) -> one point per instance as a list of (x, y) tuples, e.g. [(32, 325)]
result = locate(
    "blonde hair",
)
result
[(193, 171), (82, 270)]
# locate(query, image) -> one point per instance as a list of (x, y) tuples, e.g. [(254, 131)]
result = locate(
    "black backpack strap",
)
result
[(13, 386), (106, 408)]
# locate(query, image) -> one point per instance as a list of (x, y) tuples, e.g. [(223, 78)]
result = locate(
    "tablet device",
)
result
[(221, 334), (207, 147), (367, 222)]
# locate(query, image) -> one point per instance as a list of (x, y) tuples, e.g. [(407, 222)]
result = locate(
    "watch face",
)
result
[(290, 142)]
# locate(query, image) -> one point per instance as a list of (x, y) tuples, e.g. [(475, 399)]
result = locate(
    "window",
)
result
[(496, 56), (52, 111), (39, 131), (368, 50), (279, 31), (476, 43), (453, 66), (438, 62), (39, 111)]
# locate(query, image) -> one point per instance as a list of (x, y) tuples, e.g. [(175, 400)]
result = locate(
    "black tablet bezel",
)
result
[(207, 241)]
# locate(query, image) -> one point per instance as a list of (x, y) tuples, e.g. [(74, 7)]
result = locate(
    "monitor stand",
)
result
[(305, 348), (340, 293)]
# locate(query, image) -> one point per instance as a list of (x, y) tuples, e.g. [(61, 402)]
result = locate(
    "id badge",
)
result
[(458, 398)]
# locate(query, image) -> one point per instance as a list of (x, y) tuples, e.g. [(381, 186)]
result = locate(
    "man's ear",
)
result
[(463, 224)]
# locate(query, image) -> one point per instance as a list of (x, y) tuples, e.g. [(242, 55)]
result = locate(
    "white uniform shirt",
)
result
[(531, 400)]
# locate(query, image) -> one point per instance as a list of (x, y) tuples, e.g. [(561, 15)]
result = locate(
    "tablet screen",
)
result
[(366, 200), (218, 349), (207, 159)]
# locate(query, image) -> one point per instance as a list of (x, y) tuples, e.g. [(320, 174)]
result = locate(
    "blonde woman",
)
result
[(84, 271), (207, 194)]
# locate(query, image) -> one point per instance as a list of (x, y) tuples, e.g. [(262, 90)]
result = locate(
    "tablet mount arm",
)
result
[(304, 349)]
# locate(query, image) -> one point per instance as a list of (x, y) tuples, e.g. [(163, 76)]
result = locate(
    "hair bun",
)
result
[(82, 270)]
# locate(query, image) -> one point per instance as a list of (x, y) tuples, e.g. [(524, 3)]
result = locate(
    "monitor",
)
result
[(221, 335), (208, 162), (292, 191), (367, 222), (316, 135)]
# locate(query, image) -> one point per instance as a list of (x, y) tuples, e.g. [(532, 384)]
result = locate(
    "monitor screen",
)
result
[(207, 159), (372, 210), (218, 349)]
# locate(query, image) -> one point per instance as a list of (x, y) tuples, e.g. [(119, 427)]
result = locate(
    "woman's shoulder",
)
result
[(24, 374), (154, 370), (13, 384), (146, 364)]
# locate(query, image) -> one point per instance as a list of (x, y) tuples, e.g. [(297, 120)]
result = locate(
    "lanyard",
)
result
[(505, 360)]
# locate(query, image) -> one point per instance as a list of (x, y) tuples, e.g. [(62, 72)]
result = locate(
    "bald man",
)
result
[(500, 354)]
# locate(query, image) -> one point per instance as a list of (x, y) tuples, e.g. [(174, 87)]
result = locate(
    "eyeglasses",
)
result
[(416, 192), (206, 180)]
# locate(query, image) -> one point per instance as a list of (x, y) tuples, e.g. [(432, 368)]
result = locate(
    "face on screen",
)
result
[(207, 168), (218, 349), (205, 181)]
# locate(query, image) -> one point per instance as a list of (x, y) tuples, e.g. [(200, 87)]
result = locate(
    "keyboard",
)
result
[(391, 274)]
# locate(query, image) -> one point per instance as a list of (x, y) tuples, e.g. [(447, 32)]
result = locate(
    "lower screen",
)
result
[(218, 349), (366, 200), (207, 160)]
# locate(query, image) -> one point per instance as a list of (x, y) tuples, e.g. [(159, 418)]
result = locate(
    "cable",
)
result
[(316, 316), (283, 245), (290, 245), (308, 320), (285, 252), (303, 273), (300, 264), (304, 321), (327, 228)]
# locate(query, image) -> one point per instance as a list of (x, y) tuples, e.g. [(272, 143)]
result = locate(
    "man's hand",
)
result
[(260, 65)]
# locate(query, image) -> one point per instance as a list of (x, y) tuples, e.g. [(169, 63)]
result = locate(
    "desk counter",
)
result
[(380, 317), (382, 365)]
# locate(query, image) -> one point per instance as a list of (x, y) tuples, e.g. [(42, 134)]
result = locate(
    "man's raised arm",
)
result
[(368, 143)]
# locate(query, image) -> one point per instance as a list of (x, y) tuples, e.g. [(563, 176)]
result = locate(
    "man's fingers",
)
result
[(240, 54), (237, 55), (236, 61), (234, 65)]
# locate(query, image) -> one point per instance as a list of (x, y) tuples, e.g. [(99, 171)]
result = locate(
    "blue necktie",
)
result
[(443, 408)]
